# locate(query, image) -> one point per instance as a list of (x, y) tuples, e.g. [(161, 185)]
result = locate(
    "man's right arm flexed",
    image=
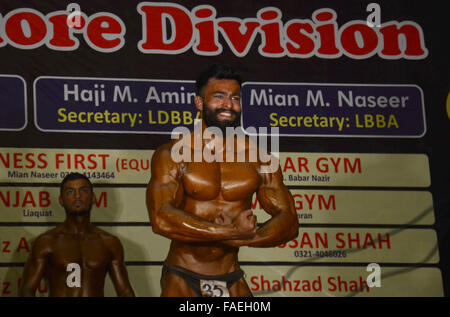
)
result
[(165, 195)]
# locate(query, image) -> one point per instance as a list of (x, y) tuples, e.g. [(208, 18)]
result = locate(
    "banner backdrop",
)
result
[(356, 90)]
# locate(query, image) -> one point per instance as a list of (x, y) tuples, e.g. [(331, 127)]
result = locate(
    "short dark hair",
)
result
[(74, 176), (218, 71)]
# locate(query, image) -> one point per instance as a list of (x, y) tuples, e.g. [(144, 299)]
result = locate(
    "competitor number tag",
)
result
[(213, 288)]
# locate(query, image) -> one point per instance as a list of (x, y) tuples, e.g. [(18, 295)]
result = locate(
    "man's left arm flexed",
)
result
[(276, 199)]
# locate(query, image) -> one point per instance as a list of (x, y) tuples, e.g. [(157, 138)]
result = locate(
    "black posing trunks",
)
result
[(193, 279)]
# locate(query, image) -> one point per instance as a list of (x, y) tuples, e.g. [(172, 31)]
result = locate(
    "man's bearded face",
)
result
[(222, 103)]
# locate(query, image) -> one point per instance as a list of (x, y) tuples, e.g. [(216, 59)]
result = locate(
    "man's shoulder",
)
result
[(183, 139), (104, 235), (52, 233), (47, 238), (164, 149), (168, 154)]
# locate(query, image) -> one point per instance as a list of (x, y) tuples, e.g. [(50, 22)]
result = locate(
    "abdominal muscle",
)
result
[(211, 257)]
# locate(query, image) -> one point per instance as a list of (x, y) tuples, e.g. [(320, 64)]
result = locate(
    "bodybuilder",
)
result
[(78, 242), (205, 207)]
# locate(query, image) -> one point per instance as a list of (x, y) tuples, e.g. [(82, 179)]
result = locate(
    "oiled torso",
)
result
[(211, 189), (88, 251)]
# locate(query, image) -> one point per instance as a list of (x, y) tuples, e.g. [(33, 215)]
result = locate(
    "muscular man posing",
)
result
[(76, 241), (205, 207)]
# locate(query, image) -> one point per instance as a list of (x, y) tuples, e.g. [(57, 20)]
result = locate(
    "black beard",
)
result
[(81, 213), (210, 118)]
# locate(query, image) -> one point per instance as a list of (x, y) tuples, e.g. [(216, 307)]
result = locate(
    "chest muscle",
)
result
[(230, 181)]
